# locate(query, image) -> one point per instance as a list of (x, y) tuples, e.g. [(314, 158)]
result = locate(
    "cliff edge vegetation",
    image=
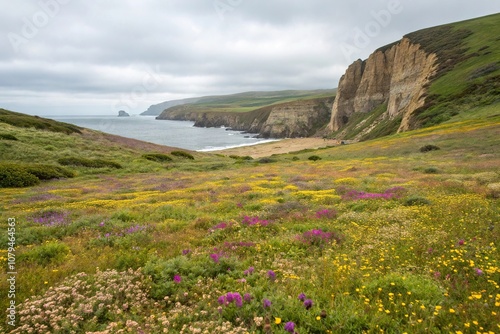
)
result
[(431, 76)]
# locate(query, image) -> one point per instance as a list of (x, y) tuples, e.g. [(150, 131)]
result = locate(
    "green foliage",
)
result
[(314, 158), (47, 253), (428, 148), (15, 176), (182, 154), (26, 121), (431, 170), (26, 175), (237, 157), (416, 200), (91, 163), (157, 157), (49, 172), (7, 136)]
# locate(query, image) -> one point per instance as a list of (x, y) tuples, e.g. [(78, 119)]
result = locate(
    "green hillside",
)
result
[(469, 53), (249, 101)]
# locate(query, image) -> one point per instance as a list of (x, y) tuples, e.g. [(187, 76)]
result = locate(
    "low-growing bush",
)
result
[(7, 136), (266, 160), (48, 172), (15, 176), (416, 200), (182, 154), (157, 157), (428, 148), (237, 157), (314, 158), (46, 253), (431, 170), (91, 163)]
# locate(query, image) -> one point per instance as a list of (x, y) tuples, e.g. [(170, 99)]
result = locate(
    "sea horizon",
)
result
[(179, 134)]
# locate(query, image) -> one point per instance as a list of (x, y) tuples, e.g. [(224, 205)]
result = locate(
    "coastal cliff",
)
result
[(302, 118), (395, 79)]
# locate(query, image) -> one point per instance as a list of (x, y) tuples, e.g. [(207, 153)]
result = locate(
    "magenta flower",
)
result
[(308, 303), (266, 303), (215, 257), (247, 297), (478, 271), (249, 271), (461, 242), (186, 251), (272, 275), (302, 297), (221, 300), (177, 279), (290, 327)]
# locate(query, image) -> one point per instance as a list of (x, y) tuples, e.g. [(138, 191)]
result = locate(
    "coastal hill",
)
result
[(402, 86), (429, 77)]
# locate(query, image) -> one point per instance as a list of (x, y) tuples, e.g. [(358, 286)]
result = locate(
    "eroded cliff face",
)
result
[(286, 120), (397, 76)]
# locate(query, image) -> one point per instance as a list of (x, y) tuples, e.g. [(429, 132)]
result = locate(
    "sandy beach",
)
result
[(279, 147)]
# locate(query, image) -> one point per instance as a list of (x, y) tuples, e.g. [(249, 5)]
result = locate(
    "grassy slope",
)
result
[(248, 101), (475, 74), (397, 267)]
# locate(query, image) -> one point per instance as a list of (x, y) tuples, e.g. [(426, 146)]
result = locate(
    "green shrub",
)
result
[(182, 154), (237, 157), (428, 148), (431, 170), (314, 158), (15, 176), (7, 136), (416, 200), (91, 163), (266, 160), (48, 172), (46, 253), (157, 157)]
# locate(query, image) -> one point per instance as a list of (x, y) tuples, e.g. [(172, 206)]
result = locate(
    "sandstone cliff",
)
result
[(302, 118), (396, 76)]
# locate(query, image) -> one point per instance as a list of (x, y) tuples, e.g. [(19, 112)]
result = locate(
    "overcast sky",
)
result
[(78, 57)]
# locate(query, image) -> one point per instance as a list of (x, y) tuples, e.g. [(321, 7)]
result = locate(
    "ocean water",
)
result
[(181, 134)]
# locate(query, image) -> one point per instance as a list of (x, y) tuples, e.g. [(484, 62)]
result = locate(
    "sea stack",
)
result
[(123, 113)]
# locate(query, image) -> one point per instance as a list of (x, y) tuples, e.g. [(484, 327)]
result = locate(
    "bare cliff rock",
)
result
[(302, 118), (396, 76)]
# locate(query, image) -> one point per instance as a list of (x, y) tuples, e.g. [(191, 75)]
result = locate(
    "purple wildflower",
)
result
[(247, 297), (308, 303), (249, 271), (222, 300), (302, 297), (101, 224), (326, 214), (478, 271), (461, 242), (177, 279), (272, 275), (266, 303), (238, 301), (215, 257), (290, 327), (229, 297), (186, 251)]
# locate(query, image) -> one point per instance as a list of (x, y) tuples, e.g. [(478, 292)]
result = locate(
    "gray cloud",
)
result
[(72, 56)]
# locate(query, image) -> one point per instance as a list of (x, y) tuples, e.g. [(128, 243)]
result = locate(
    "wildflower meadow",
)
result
[(369, 239)]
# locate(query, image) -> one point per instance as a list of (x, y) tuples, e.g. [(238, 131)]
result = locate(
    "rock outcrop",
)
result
[(123, 113), (302, 118), (397, 76)]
